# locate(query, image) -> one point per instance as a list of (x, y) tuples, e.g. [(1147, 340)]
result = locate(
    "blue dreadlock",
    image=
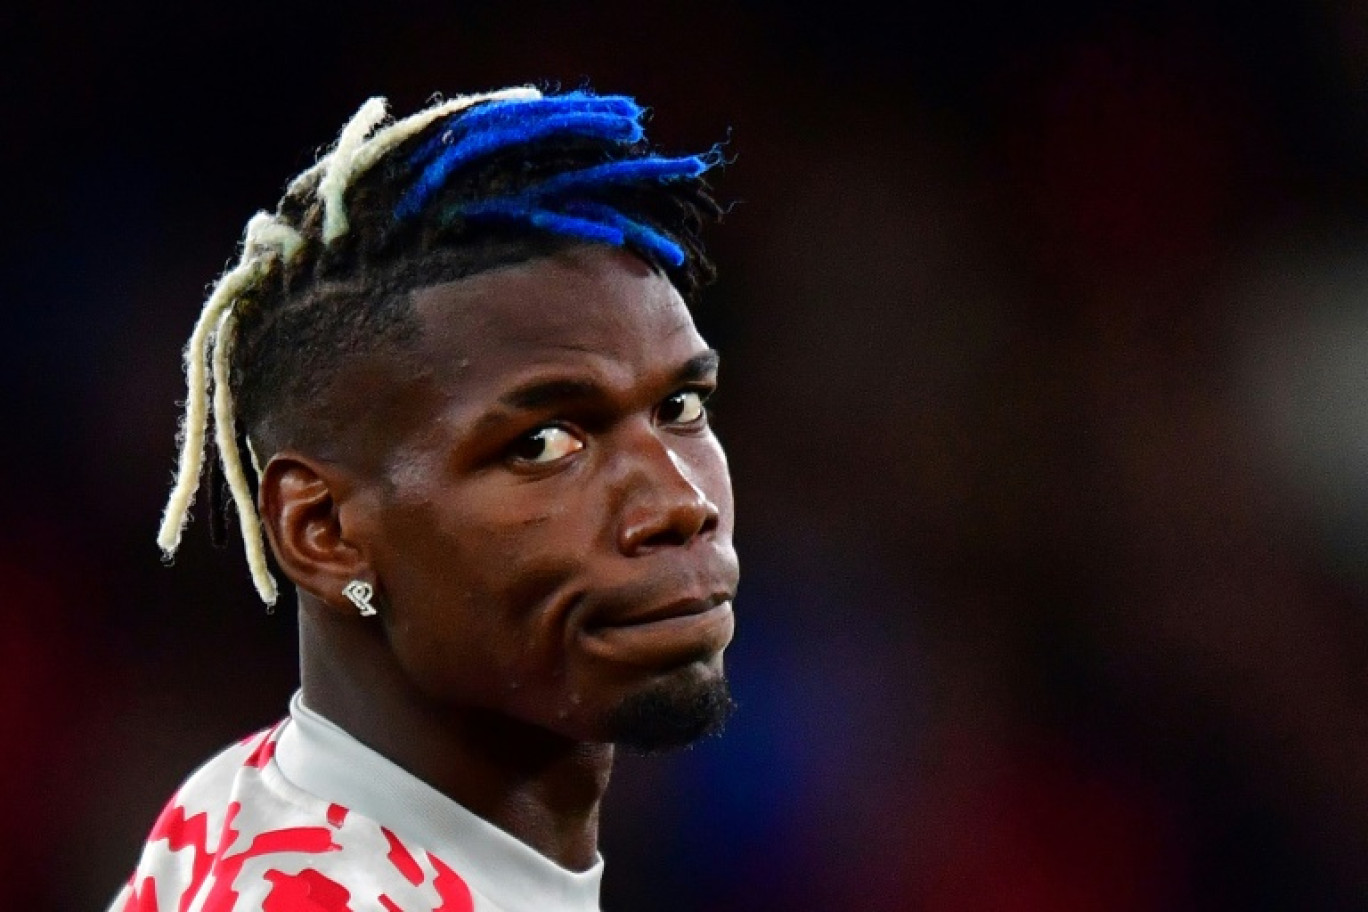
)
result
[(467, 184), (552, 205)]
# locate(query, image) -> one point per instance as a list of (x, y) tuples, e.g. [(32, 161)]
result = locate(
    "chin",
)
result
[(671, 712)]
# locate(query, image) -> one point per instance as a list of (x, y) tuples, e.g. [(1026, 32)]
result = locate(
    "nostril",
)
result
[(670, 527), (665, 538)]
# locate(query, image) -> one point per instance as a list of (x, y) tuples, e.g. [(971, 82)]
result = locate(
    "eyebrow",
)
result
[(542, 394)]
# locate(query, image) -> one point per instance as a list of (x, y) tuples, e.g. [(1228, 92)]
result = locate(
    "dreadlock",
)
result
[(463, 186)]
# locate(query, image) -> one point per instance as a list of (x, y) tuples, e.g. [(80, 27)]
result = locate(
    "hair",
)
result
[(463, 186)]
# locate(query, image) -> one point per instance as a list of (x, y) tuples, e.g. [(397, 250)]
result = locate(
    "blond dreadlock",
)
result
[(566, 169), (269, 243)]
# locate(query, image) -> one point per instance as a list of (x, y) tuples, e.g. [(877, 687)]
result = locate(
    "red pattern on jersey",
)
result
[(181, 832), (264, 751), (402, 859), (309, 840), (221, 896), (142, 898), (452, 890), (307, 891), (212, 880)]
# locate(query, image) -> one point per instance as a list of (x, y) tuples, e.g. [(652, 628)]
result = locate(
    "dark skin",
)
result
[(547, 521)]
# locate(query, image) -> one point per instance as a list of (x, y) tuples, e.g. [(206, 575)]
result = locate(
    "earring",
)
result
[(360, 594)]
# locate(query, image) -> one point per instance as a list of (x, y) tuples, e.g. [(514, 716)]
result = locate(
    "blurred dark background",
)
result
[(1045, 331)]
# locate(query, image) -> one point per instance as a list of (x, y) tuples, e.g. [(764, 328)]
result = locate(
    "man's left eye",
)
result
[(684, 407), (545, 445)]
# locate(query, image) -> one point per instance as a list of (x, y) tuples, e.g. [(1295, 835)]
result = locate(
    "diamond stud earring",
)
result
[(360, 594)]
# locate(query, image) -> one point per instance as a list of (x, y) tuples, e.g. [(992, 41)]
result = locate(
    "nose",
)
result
[(662, 507)]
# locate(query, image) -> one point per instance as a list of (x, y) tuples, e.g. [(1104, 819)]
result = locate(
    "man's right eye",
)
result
[(545, 445)]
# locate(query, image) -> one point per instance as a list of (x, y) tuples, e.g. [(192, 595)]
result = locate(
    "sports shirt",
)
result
[(302, 817)]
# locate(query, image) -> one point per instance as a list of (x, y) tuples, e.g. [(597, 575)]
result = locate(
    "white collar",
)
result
[(319, 757)]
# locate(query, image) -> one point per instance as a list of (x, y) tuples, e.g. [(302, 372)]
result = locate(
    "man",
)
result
[(459, 359)]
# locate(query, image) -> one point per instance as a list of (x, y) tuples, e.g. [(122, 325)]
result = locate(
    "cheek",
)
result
[(476, 590)]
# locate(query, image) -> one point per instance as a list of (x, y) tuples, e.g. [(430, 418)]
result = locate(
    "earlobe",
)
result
[(301, 510)]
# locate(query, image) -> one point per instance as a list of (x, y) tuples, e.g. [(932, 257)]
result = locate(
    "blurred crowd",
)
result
[(1045, 385)]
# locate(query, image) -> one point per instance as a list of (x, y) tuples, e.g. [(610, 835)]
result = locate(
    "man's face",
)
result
[(553, 541)]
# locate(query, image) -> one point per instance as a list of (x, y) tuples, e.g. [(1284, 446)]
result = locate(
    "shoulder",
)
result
[(237, 836)]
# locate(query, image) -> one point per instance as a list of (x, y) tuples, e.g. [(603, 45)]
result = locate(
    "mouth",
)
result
[(680, 631)]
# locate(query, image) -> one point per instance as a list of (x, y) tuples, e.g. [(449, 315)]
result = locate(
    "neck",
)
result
[(540, 787)]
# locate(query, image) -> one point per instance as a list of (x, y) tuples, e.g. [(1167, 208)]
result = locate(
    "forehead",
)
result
[(590, 315), (588, 305)]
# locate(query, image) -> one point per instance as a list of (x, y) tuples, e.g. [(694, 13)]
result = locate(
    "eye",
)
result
[(545, 445), (684, 407)]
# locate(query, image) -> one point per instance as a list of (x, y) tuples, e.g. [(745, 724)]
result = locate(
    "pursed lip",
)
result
[(678, 608), (667, 634)]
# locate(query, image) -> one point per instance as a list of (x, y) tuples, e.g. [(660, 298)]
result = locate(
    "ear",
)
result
[(317, 542)]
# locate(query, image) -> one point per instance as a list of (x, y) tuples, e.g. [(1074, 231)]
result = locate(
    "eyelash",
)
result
[(704, 412), (704, 394)]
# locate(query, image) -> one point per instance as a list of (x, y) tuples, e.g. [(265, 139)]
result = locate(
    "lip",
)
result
[(680, 608), (677, 632)]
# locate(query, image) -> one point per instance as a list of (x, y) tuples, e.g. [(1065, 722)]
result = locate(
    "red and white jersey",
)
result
[(304, 818)]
